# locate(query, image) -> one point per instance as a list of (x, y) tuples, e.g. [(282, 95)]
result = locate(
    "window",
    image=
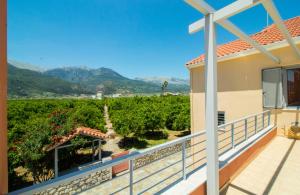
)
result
[(293, 87), (221, 118), (281, 87), (272, 88)]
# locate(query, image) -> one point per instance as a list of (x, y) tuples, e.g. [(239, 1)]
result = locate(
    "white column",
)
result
[(211, 107)]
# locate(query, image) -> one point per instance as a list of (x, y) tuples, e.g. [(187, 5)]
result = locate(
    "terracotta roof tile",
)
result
[(270, 34), (57, 141)]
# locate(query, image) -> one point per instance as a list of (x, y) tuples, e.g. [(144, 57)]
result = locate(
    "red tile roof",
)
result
[(270, 34), (57, 141)]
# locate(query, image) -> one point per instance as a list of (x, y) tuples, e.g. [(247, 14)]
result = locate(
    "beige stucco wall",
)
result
[(240, 88)]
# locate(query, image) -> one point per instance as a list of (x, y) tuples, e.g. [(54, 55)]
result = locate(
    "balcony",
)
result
[(275, 170), (178, 166)]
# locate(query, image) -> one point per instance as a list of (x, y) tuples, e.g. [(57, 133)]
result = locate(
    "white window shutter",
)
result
[(272, 88)]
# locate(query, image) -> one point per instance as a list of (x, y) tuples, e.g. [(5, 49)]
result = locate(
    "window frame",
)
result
[(284, 70), (285, 86)]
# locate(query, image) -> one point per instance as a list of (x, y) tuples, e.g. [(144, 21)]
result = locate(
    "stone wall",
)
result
[(80, 184), (159, 154), (97, 178)]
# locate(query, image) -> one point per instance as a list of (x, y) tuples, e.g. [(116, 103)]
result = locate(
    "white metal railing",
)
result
[(188, 157)]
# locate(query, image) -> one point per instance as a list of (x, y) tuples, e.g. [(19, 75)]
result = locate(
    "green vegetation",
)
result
[(145, 116), (33, 124), (164, 87)]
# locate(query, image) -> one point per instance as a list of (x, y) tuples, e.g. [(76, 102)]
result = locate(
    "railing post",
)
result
[(55, 162), (99, 154), (255, 119), (131, 177), (232, 135), (263, 120), (269, 118), (246, 129), (93, 151), (183, 161)]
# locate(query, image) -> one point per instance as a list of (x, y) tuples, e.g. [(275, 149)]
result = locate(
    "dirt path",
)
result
[(111, 145), (107, 120)]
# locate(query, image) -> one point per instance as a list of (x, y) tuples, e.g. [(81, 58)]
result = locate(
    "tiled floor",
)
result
[(276, 170), (150, 185)]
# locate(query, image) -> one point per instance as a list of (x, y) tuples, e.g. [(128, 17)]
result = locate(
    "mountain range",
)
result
[(26, 80), (159, 80)]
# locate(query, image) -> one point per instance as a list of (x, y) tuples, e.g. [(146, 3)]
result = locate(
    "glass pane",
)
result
[(293, 83)]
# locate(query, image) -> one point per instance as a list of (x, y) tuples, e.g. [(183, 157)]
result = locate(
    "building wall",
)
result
[(240, 89)]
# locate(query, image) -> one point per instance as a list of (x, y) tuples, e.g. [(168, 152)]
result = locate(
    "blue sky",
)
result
[(137, 38)]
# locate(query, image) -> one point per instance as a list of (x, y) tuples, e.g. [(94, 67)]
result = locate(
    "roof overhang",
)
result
[(252, 51)]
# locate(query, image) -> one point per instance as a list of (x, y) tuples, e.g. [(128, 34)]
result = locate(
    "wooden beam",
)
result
[(225, 23), (273, 12), (3, 97)]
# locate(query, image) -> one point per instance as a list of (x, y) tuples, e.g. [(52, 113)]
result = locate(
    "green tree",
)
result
[(31, 150), (164, 87)]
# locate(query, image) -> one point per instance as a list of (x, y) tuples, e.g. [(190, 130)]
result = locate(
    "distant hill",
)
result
[(25, 66), (29, 83), (26, 80), (159, 80), (109, 81)]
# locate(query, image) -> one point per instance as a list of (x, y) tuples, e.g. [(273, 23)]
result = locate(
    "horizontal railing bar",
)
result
[(196, 153), (251, 131), (196, 162), (240, 137), (242, 126), (239, 132), (158, 159), (225, 130), (119, 190), (249, 122), (142, 192), (157, 171), (252, 125), (224, 146), (170, 143), (220, 141), (246, 117), (197, 143)]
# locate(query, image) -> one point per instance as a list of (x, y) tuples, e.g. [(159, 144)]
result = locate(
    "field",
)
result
[(139, 122)]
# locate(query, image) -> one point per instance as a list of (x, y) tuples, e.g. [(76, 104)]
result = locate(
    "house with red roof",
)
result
[(250, 82)]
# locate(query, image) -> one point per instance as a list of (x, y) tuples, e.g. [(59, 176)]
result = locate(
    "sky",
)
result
[(137, 38)]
